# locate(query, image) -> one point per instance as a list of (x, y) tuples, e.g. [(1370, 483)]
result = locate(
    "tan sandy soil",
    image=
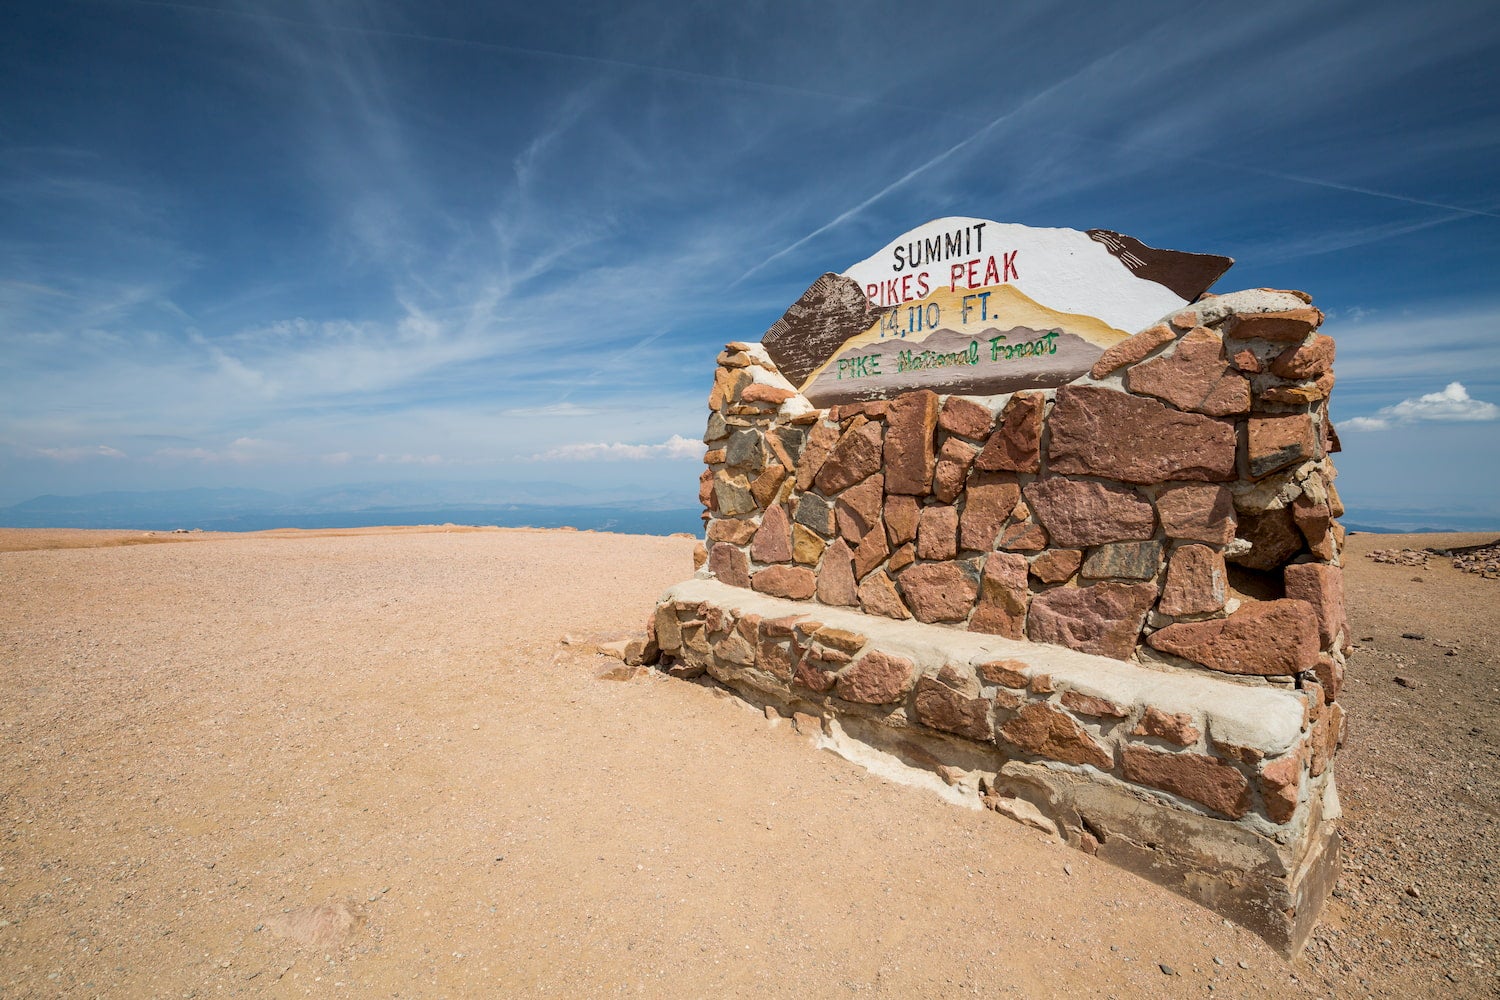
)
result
[(198, 741)]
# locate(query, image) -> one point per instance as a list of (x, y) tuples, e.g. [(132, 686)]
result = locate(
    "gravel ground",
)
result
[(364, 763)]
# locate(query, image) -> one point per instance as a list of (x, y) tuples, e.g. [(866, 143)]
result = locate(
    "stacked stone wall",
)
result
[(1174, 509)]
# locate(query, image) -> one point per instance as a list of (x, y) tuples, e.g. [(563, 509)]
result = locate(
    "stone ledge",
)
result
[(1264, 719), (1200, 784)]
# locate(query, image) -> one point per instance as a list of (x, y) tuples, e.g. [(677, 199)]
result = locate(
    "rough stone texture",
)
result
[(1010, 673), (939, 706), (729, 564), (775, 658), (723, 529), (966, 418), (1132, 349), (1199, 512), (1056, 565), (1281, 786), (1287, 326), (707, 492), (901, 515), (1026, 536), (1322, 587), (1002, 596), (842, 639), (1247, 361), (836, 583), (1297, 395), (1043, 730), (1087, 704), (938, 592), (878, 596), (871, 552), (857, 509), (953, 462), (1177, 728), (819, 445), (1016, 445), (1194, 377), (1273, 538), (875, 409), (1101, 432), (700, 556), (1330, 674), (902, 558), (854, 458), (1197, 582), (1326, 737), (668, 628), (814, 512), (786, 444), (766, 485), (1104, 618), (911, 420), (1276, 441), (937, 533), (792, 582), (1315, 521), (807, 547), (773, 540), (1264, 638), (717, 429), (727, 387), (1077, 513), (746, 451), (877, 678), (1124, 560), (1208, 780), (734, 648), (758, 392), (1311, 360), (733, 494), (813, 674), (989, 500)]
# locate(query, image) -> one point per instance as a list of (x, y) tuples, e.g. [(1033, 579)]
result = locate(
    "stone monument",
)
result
[(1031, 509)]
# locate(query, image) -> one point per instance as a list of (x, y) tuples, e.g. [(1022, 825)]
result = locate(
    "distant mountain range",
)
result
[(532, 504), (1415, 521)]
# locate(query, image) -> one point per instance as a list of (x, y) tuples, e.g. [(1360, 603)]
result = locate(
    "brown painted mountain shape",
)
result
[(832, 310), (1187, 275)]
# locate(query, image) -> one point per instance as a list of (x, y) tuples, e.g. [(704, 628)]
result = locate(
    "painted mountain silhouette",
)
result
[(832, 310)]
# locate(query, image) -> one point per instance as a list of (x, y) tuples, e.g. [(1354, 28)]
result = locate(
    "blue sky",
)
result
[(290, 244)]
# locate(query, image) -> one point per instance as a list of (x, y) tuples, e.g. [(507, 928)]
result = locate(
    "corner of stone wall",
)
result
[(1174, 509)]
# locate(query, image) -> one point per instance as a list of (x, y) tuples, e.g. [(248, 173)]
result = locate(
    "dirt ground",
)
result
[(200, 742)]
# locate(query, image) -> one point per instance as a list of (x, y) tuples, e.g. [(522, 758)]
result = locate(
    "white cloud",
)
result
[(675, 446), (241, 451), (409, 459), (82, 452), (1452, 405), (550, 410)]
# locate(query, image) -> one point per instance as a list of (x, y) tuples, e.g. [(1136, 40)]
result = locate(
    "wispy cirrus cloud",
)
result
[(1452, 404), (675, 447), (475, 233), (79, 453), (563, 409)]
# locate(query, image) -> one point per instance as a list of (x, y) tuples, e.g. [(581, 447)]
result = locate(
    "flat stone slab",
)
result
[(1264, 719)]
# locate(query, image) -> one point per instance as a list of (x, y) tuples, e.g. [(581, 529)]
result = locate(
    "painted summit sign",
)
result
[(979, 307)]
